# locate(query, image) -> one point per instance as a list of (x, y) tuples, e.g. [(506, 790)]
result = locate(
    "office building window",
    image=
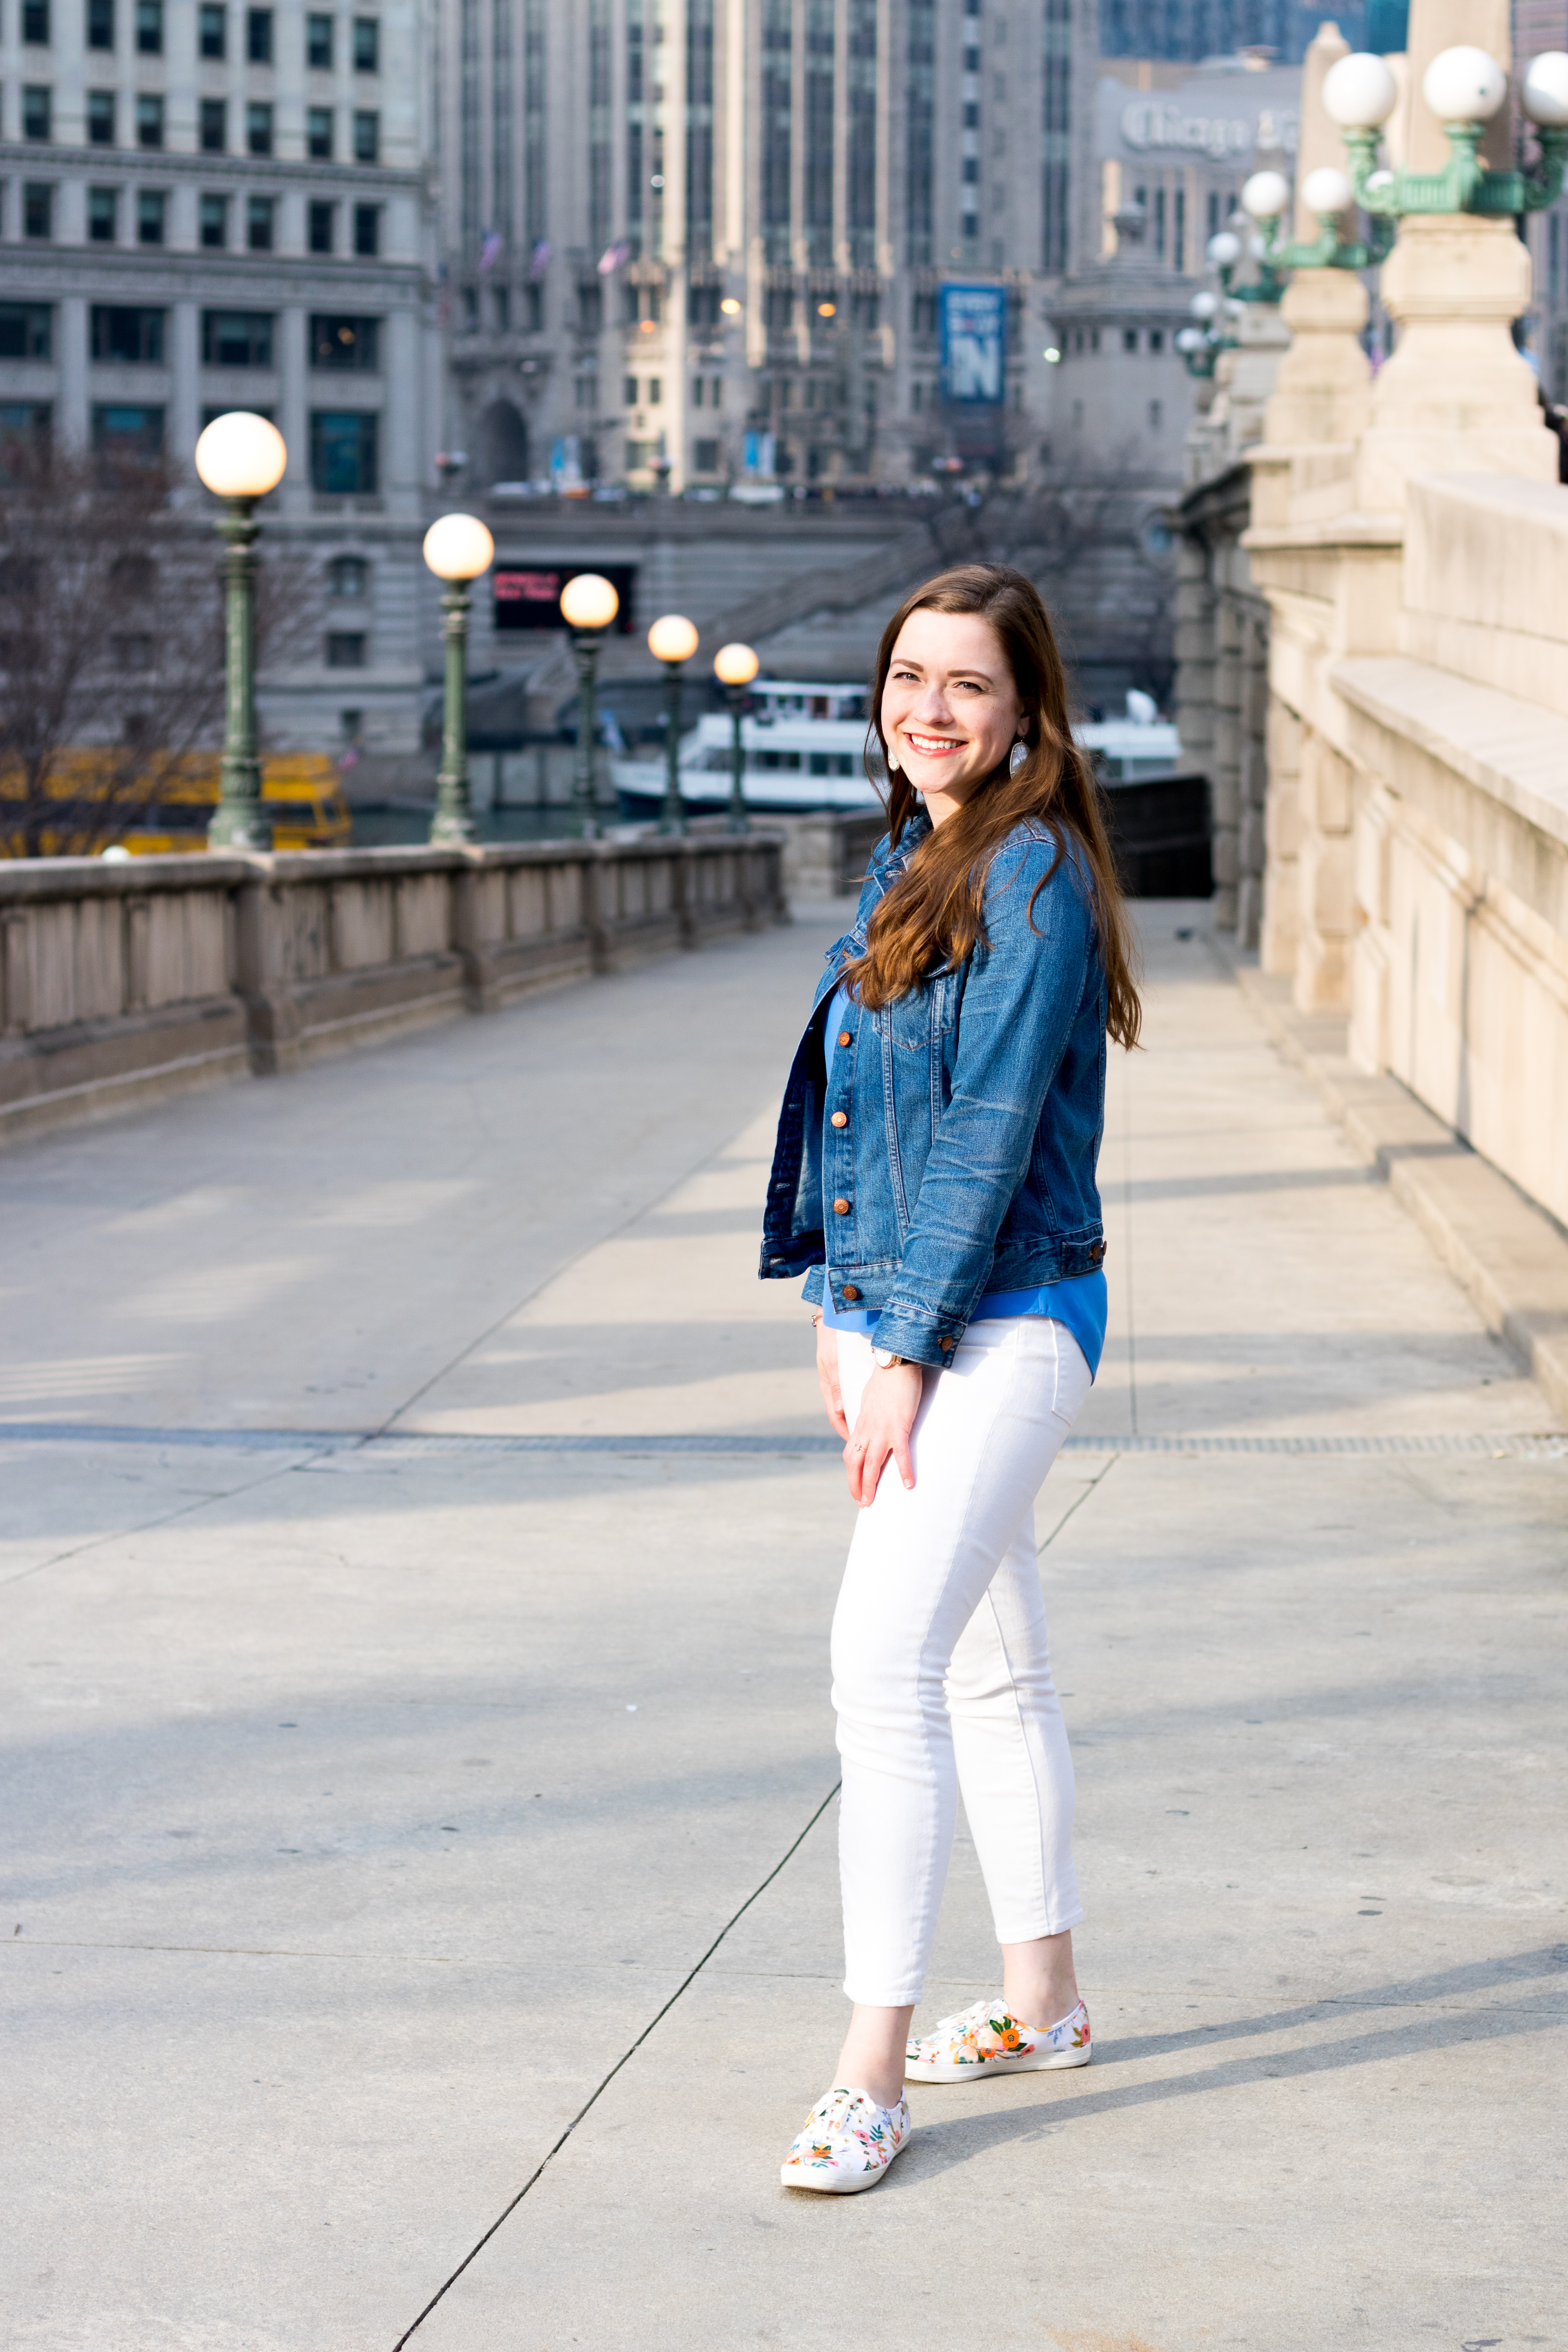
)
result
[(237, 338), (26, 330), (655, 390), (152, 216), (351, 345), (320, 224), (211, 31), (150, 27), (38, 113), (348, 576), (705, 457), (24, 425), (629, 392), (1156, 339), (258, 36), (319, 44), (100, 118), (37, 208), (215, 126), (367, 44), (102, 216), (36, 23), (367, 230), (343, 452), (258, 129), (259, 215), (100, 24), (367, 138), (318, 132), (345, 649), (128, 432), (149, 119), (213, 215), (126, 336)]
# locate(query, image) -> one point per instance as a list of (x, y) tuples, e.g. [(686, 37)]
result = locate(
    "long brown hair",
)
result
[(933, 915)]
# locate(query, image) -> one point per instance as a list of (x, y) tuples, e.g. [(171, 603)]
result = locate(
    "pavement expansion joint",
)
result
[(1542, 1444)]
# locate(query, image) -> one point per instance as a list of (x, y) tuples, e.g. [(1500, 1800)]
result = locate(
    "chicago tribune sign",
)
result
[(1153, 123)]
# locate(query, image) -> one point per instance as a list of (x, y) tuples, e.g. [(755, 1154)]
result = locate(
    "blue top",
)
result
[(1080, 1303)]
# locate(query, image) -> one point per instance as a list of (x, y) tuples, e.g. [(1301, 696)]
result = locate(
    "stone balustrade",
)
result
[(124, 981)]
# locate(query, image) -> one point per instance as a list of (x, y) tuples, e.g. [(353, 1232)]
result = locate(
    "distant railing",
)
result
[(121, 980)]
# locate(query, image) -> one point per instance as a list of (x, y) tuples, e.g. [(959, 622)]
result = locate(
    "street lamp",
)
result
[(672, 640), (1202, 343), (1464, 88), (735, 666), (588, 605), (240, 458), (457, 548), (1328, 194)]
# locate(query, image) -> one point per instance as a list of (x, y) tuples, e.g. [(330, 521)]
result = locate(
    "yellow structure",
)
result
[(300, 791)]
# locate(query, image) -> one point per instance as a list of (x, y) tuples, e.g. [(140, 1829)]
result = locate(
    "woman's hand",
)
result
[(882, 1427), (828, 1378)]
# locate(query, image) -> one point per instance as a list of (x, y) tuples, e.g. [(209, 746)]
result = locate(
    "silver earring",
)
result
[(893, 760), (1017, 756)]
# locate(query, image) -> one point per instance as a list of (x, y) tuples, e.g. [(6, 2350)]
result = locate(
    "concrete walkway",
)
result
[(375, 1805)]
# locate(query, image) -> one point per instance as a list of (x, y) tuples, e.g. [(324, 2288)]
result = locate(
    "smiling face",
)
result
[(951, 711)]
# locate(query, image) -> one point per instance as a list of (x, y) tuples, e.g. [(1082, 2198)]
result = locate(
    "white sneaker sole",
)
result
[(848, 2184), (940, 2069)]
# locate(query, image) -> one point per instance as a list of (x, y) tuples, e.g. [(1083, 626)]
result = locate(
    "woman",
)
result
[(936, 1172)]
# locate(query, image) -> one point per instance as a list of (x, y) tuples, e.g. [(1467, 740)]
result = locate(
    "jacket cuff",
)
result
[(912, 1336), (812, 1291)]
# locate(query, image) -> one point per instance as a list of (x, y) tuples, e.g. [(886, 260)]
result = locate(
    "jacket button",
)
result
[(844, 1038), (947, 1345), (850, 1291), (841, 1208), (840, 1119), (1098, 1251)]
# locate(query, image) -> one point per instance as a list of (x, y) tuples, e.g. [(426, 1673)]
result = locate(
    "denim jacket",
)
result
[(962, 1123)]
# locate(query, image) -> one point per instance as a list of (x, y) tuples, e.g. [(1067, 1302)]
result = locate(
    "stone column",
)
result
[(1225, 772), (1253, 780), (1280, 930)]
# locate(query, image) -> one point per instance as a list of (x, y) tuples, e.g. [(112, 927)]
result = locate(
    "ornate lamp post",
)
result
[(735, 666), (588, 605), (1202, 343), (1464, 88), (240, 458), (458, 548), (1328, 193), (672, 640)]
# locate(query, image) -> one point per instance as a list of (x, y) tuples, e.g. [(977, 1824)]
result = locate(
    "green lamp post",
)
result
[(588, 605), (735, 666), (672, 640), (240, 458), (1328, 193), (1465, 88), (458, 548)]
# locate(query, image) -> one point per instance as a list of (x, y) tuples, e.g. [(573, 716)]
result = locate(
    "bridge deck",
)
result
[(421, 1537)]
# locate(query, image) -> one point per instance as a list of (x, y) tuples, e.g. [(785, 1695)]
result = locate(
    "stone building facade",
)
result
[(212, 206)]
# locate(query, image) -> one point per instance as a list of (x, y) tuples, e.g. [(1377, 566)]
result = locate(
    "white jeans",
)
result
[(941, 1672)]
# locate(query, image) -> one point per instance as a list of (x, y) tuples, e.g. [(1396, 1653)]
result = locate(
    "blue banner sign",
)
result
[(973, 324)]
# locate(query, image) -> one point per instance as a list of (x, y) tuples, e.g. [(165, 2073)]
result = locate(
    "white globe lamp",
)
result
[(673, 638), (1327, 192), (1360, 92), (589, 602), (1223, 250), (1544, 97), (1265, 195), (241, 456), (459, 547), (1463, 85)]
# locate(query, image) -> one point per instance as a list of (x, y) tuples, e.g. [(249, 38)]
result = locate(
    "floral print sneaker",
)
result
[(985, 2039), (845, 2143)]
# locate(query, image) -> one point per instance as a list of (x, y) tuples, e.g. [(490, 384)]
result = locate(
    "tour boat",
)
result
[(803, 748)]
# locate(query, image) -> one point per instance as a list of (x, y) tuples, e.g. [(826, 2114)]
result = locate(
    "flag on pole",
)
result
[(489, 251), (540, 261), (611, 257)]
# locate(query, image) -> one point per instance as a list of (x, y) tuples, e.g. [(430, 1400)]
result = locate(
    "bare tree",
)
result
[(111, 650)]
